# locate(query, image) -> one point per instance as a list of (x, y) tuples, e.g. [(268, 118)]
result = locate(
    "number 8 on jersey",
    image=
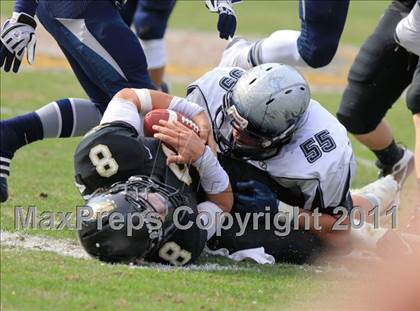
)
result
[(101, 158)]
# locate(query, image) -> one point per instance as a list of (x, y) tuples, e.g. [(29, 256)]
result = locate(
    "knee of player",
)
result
[(149, 26), (319, 54), (356, 124), (356, 113), (413, 98)]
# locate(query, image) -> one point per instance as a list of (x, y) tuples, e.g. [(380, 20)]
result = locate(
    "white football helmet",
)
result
[(264, 106)]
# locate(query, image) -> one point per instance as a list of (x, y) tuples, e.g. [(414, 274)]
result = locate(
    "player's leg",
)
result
[(297, 247), (382, 195), (99, 40), (315, 45), (150, 21), (61, 118), (128, 10), (373, 88), (322, 24)]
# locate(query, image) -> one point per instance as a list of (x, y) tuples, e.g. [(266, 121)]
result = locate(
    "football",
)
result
[(154, 116)]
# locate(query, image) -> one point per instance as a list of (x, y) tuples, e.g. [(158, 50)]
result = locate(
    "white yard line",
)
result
[(63, 247), (71, 248)]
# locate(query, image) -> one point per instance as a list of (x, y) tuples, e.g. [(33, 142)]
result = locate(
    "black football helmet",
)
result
[(140, 195)]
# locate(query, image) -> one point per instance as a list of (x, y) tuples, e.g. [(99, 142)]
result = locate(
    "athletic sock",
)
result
[(20, 130), (390, 155), (68, 117), (15, 133), (279, 47), (62, 118)]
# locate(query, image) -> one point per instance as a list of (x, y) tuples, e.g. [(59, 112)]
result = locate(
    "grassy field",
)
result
[(42, 176)]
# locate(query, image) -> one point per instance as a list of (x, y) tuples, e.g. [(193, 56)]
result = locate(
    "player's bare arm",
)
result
[(146, 100)]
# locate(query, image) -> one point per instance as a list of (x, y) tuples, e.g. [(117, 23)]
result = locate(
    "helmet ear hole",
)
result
[(270, 101), (252, 81), (302, 88)]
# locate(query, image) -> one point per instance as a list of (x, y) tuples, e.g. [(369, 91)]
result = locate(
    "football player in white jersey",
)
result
[(266, 117)]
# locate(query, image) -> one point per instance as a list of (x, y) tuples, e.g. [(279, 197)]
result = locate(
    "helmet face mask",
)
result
[(262, 111), (152, 201)]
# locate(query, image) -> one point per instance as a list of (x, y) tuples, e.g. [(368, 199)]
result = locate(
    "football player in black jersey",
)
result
[(161, 188)]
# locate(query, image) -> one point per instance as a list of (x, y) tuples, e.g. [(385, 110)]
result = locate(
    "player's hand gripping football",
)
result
[(185, 141), (17, 34)]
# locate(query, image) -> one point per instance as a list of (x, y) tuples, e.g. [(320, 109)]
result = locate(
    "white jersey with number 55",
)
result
[(314, 169)]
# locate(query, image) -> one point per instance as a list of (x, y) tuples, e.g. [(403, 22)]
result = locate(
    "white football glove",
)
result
[(17, 34)]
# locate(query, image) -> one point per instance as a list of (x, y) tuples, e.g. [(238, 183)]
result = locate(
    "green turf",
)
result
[(6, 7), (44, 281)]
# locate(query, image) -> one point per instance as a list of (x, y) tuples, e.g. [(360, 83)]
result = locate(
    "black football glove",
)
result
[(253, 197), (226, 24)]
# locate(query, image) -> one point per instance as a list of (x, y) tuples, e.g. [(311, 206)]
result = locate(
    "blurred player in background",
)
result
[(322, 23), (150, 18), (379, 75)]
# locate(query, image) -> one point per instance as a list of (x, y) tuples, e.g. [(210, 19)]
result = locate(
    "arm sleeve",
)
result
[(185, 107), (213, 177), (26, 6)]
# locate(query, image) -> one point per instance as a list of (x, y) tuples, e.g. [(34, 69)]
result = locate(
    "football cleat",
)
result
[(385, 190), (233, 54), (4, 194), (400, 170)]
